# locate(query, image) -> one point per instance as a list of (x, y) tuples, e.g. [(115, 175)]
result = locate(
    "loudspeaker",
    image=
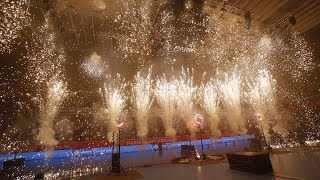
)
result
[(39, 176), (292, 20), (12, 168), (255, 162), (115, 164), (188, 151)]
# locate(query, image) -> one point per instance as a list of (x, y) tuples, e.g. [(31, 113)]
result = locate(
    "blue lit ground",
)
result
[(128, 160), (300, 164)]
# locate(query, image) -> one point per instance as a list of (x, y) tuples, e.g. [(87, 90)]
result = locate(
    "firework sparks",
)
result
[(166, 93), (14, 16), (114, 97), (136, 19), (45, 71), (186, 92), (46, 57), (226, 44), (94, 66), (261, 92), (261, 97), (57, 92), (230, 91), (293, 56), (142, 100), (209, 101)]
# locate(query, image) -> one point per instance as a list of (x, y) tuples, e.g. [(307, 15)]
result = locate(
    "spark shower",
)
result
[(230, 72)]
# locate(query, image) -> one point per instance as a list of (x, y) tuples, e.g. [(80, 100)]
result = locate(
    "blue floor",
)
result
[(140, 157), (297, 165), (301, 164), (132, 156)]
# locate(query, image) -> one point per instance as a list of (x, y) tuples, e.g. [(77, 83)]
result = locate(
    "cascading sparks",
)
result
[(113, 94), (142, 99), (209, 100), (49, 108), (186, 94), (230, 91), (261, 96), (14, 17), (287, 57), (166, 94), (45, 71)]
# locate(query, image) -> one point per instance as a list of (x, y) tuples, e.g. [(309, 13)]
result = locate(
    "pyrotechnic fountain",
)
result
[(46, 74), (230, 90), (261, 96), (186, 94), (142, 100), (49, 108), (209, 100), (285, 58), (113, 94), (166, 94)]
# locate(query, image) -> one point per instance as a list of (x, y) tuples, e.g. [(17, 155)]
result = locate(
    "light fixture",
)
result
[(247, 18), (292, 20)]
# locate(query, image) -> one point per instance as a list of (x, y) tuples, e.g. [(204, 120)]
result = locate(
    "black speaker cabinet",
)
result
[(188, 151), (254, 162), (12, 168), (115, 165), (39, 176)]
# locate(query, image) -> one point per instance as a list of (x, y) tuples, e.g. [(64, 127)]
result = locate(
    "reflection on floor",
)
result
[(298, 165), (186, 172), (294, 164), (128, 160)]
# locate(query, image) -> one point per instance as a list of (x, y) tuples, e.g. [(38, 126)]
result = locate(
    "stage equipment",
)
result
[(116, 167), (247, 18), (188, 151), (12, 168), (255, 162), (292, 20), (199, 120)]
